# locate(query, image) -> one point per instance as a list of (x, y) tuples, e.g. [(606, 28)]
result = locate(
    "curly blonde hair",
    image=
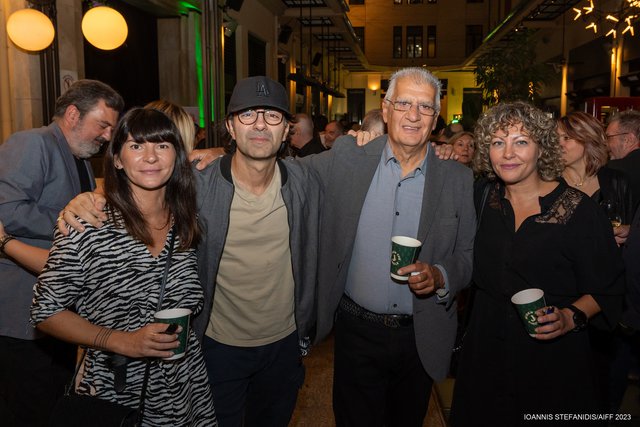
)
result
[(538, 125)]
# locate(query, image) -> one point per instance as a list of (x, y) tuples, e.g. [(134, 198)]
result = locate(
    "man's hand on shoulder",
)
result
[(363, 137), (444, 151), (88, 206), (205, 156)]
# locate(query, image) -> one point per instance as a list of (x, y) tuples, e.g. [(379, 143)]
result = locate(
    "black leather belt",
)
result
[(389, 320)]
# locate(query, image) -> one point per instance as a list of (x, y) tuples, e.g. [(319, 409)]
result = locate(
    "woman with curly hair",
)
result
[(535, 232)]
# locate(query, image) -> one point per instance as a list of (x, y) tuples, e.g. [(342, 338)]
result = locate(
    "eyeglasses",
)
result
[(424, 109), (271, 117), (617, 134)]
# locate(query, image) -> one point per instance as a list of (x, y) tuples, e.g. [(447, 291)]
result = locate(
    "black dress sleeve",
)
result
[(597, 262)]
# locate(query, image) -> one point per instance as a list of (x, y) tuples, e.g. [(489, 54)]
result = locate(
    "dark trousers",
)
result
[(254, 386), (33, 374), (626, 359), (616, 354), (378, 377)]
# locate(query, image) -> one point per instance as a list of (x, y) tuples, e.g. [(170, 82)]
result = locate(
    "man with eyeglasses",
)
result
[(392, 339), (623, 139), (257, 261)]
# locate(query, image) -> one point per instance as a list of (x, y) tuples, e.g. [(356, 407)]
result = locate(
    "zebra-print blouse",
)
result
[(112, 280)]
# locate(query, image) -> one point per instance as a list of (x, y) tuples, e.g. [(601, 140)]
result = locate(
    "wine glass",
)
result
[(611, 209)]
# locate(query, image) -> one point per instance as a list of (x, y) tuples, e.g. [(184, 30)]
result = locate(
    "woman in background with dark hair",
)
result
[(100, 288)]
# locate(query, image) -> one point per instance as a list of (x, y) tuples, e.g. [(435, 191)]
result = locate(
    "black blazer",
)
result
[(614, 186), (630, 166)]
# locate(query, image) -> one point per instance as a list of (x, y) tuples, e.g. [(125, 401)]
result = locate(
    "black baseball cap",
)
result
[(259, 91)]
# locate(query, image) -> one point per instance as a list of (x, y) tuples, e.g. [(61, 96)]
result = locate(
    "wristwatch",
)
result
[(579, 318)]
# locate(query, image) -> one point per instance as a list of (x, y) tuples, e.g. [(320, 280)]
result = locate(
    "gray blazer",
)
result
[(447, 228), (38, 177)]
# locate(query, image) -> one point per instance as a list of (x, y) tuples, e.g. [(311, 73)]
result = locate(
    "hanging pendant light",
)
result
[(30, 29), (104, 27)]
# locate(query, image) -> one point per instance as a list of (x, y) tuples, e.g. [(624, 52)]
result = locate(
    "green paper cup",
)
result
[(404, 251), (528, 302), (181, 317)]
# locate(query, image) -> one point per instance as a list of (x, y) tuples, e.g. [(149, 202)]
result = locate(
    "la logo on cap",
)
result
[(261, 89)]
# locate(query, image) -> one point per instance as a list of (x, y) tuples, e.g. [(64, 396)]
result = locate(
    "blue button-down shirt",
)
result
[(392, 207)]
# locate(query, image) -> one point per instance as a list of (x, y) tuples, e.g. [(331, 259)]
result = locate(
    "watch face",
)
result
[(579, 318)]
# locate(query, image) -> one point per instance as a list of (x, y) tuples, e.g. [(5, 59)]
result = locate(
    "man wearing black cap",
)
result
[(259, 256), (257, 261)]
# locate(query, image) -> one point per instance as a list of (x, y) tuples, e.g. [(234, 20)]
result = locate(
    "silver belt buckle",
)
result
[(390, 321)]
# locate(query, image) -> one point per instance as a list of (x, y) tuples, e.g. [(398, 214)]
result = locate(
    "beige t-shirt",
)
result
[(254, 298)]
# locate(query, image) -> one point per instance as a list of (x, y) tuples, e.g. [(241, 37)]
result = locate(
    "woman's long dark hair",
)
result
[(149, 125)]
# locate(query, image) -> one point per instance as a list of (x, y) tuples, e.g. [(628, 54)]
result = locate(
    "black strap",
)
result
[(145, 381), (485, 194), (166, 271)]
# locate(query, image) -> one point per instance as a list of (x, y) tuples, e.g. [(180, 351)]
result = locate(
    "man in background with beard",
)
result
[(40, 171)]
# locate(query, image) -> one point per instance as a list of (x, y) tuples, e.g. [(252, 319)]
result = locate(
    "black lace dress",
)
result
[(568, 250)]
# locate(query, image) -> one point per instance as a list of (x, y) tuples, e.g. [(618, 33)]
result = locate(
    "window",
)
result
[(360, 36), (397, 42), (473, 38), (397, 1), (431, 41), (414, 41)]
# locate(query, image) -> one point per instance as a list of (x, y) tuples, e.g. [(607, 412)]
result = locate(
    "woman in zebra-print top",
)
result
[(100, 288)]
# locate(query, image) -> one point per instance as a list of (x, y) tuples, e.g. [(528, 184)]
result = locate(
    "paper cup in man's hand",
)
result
[(404, 251)]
